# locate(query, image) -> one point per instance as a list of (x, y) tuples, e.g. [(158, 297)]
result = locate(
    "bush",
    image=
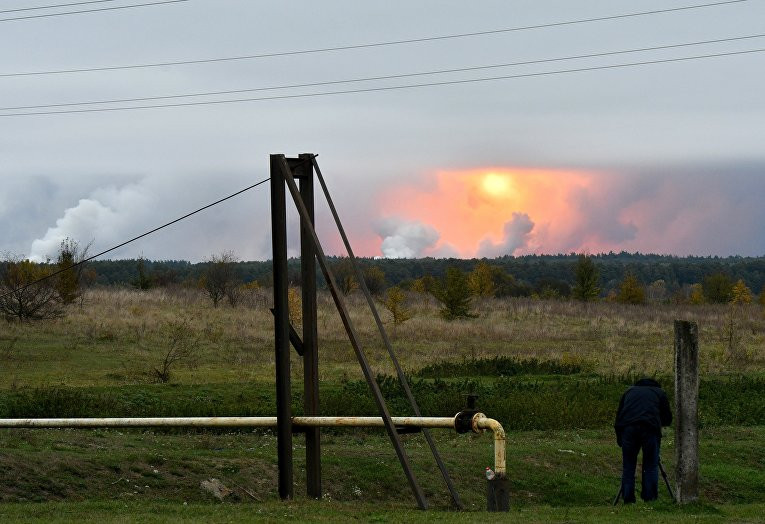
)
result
[(21, 295), (497, 367)]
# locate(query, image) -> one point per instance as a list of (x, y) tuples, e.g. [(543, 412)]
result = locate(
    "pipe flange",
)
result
[(474, 422), (463, 421)]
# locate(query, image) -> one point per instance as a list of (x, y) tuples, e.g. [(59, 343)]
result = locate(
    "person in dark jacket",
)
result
[(643, 411)]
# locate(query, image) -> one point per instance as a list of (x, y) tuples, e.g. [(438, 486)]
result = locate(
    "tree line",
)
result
[(530, 274), (455, 283)]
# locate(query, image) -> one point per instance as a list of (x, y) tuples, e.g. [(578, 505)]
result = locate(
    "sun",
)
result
[(496, 185)]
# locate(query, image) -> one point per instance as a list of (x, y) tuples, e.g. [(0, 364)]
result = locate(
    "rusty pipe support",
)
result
[(481, 423)]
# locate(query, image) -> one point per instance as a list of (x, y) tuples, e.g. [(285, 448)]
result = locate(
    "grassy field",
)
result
[(119, 335), (562, 460)]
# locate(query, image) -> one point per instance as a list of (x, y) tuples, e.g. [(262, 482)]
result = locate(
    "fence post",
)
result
[(686, 411)]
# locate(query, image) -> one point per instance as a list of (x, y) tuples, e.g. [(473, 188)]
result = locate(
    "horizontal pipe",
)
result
[(230, 422), (420, 422), (480, 423)]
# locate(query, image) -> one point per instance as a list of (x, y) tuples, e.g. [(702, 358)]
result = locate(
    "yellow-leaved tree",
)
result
[(394, 303), (481, 280), (631, 291), (741, 294)]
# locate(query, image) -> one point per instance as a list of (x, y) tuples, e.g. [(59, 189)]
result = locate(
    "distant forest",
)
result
[(529, 272)]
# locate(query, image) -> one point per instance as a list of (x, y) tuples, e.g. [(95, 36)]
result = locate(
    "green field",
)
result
[(550, 371)]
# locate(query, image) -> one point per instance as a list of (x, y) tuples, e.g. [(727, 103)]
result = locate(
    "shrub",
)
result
[(23, 295)]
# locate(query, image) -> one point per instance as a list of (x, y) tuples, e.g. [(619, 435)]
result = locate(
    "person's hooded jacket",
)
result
[(645, 403)]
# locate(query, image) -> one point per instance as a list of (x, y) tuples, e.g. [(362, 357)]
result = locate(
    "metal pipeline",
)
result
[(480, 423)]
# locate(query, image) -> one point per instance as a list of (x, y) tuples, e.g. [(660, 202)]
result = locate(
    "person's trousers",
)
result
[(635, 438)]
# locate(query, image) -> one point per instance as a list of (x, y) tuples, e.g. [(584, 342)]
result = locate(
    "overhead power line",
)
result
[(142, 235), (390, 88), (94, 10), (378, 78), (54, 6), (370, 44)]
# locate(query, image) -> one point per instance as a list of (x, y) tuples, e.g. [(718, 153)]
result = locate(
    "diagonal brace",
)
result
[(352, 335), (399, 372)]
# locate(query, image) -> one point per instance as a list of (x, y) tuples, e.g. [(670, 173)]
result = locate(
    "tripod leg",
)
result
[(666, 481), (618, 494)]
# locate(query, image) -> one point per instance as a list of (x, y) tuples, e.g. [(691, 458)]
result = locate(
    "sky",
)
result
[(662, 158)]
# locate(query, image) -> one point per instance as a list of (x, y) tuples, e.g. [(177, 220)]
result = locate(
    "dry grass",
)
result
[(119, 334)]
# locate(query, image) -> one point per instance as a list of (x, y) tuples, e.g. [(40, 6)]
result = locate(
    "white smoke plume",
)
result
[(517, 232), (107, 214), (405, 239)]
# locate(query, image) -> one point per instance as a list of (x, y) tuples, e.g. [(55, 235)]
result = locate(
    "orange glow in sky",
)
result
[(467, 207)]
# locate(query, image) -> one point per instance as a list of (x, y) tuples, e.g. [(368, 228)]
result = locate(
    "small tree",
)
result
[(585, 280), (696, 296), (762, 296), (345, 276), (21, 297), (454, 293), (481, 280), (181, 347), (374, 278), (69, 282), (219, 279), (143, 280), (631, 291), (394, 303), (740, 293), (294, 306), (423, 284), (717, 288)]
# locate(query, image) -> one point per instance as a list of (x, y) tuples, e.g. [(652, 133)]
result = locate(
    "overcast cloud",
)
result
[(678, 146)]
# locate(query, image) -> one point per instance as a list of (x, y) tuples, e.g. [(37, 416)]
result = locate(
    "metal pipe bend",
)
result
[(482, 423)]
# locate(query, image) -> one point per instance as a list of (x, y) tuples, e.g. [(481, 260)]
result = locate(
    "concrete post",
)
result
[(686, 411)]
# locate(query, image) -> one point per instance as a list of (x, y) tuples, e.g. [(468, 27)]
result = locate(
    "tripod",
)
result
[(666, 481)]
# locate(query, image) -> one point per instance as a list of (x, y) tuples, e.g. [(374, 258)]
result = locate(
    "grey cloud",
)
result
[(685, 112)]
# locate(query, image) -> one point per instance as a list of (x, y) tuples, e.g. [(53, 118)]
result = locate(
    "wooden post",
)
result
[(281, 329), (686, 411), (310, 332)]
